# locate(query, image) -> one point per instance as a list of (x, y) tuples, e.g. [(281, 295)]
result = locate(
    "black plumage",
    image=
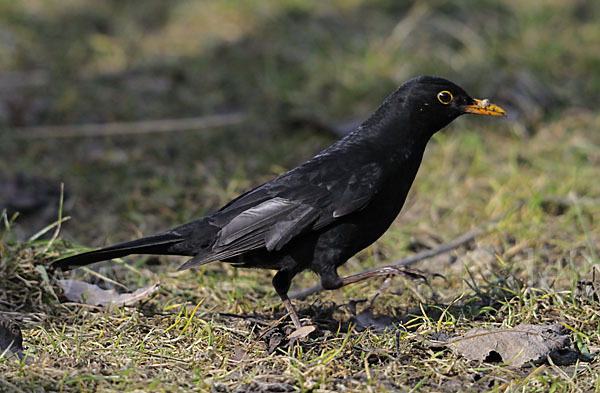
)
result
[(319, 214)]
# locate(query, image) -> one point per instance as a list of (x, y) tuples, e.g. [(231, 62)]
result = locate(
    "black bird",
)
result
[(324, 211)]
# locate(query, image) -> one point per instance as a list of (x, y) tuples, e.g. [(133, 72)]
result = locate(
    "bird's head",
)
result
[(433, 102)]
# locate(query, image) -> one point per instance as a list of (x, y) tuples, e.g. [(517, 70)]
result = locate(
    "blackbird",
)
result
[(321, 213)]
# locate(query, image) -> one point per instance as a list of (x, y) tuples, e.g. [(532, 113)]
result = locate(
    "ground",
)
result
[(287, 78)]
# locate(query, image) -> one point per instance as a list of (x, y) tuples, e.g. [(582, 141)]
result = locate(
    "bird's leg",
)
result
[(413, 274), (281, 282), (288, 306), (331, 280)]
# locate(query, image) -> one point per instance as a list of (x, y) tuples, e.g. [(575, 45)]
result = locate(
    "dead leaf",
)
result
[(518, 346), (588, 289), (85, 293), (274, 342), (11, 339), (301, 333), (239, 354), (379, 323)]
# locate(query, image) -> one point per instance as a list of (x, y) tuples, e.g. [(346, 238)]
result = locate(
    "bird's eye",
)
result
[(445, 97)]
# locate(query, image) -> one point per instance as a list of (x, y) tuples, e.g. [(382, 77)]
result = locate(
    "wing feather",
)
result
[(283, 231), (254, 221)]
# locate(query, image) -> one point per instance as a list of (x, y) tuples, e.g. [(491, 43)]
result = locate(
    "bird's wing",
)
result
[(358, 190), (347, 193), (273, 214), (270, 224)]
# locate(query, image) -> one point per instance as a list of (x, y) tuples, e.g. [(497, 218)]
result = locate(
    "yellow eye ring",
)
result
[(445, 97)]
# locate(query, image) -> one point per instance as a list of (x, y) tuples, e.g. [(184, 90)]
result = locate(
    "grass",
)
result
[(108, 62)]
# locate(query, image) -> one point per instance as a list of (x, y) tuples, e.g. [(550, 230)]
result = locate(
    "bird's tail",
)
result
[(160, 244)]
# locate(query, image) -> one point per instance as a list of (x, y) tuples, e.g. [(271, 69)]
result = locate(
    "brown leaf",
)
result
[(274, 341), (588, 289), (82, 292), (301, 333), (518, 346), (239, 354)]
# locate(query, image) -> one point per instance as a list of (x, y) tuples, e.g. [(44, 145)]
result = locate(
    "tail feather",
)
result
[(159, 244)]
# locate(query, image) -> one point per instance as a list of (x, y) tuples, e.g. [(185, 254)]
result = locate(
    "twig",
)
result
[(465, 238), (23, 79), (129, 128)]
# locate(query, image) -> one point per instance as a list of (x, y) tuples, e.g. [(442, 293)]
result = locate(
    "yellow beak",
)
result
[(484, 107)]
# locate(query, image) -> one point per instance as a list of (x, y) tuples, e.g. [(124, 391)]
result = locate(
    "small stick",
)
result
[(465, 238), (129, 128)]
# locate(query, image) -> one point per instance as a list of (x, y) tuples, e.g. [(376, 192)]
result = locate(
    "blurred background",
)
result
[(198, 101)]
